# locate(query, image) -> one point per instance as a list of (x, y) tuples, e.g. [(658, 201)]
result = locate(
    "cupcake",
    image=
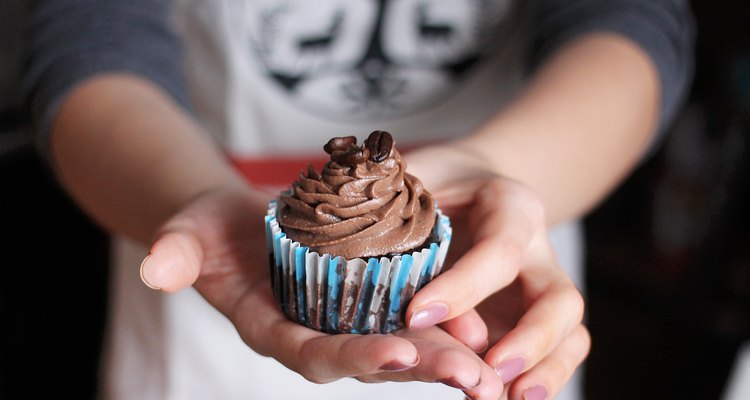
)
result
[(350, 245)]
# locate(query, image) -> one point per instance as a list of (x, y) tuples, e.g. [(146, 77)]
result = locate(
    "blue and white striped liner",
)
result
[(335, 295)]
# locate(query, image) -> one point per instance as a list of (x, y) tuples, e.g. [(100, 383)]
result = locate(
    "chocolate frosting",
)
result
[(362, 204)]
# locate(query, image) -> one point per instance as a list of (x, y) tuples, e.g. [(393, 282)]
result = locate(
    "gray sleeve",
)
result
[(663, 28), (72, 40)]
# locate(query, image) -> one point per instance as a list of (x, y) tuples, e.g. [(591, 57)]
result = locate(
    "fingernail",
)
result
[(396, 365), (143, 274), (482, 348), (537, 392), (428, 316), (471, 396), (452, 382), (510, 369)]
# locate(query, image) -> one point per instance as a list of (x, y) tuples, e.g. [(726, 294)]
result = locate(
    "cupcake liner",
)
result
[(361, 295)]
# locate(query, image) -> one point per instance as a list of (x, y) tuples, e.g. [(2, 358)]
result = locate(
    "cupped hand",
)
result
[(217, 244), (503, 285)]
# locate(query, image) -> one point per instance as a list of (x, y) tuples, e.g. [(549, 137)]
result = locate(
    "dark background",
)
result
[(667, 272), (52, 289), (668, 253)]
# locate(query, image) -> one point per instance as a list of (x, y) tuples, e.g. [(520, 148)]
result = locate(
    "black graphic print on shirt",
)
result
[(370, 59)]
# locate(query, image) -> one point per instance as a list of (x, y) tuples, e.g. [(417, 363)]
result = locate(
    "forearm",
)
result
[(579, 127), (130, 156)]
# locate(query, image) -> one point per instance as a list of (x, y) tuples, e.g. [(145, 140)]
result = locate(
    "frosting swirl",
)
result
[(362, 204)]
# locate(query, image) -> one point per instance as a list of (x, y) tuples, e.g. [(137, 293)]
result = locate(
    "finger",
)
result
[(548, 321), (490, 387), (476, 275), (174, 261), (317, 356), (328, 358), (468, 328), (507, 216), (445, 360), (550, 375), (207, 239)]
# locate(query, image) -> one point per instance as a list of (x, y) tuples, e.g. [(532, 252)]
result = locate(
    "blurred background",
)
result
[(668, 253)]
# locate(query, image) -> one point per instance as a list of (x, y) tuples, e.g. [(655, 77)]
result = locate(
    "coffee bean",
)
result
[(340, 143), (351, 158), (379, 144)]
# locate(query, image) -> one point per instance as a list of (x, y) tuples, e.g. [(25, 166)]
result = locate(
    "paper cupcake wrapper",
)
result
[(336, 295)]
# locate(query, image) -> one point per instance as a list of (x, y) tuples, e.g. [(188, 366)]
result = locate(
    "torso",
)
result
[(272, 81)]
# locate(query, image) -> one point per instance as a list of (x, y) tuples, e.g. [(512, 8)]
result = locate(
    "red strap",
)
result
[(275, 171), (281, 171)]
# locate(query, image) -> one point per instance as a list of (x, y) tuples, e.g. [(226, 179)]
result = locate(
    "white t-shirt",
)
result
[(273, 81)]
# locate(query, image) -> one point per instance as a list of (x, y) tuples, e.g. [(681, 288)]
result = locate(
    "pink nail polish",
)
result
[(510, 369), (428, 316), (395, 366), (453, 382), (537, 392)]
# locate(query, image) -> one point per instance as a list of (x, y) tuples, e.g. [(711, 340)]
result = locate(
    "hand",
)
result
[(217, 244), (502, 263)]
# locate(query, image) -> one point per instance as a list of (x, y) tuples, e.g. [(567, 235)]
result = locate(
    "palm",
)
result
[(233, 276)]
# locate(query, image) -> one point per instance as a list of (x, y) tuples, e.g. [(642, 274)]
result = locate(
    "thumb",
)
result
[(175, 259)]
